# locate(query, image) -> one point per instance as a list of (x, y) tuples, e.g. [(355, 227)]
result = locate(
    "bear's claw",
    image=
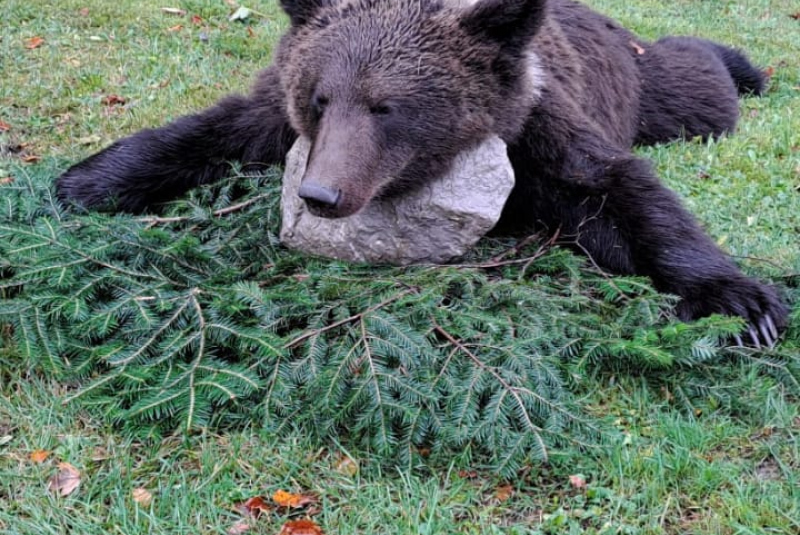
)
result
[(767, 330)]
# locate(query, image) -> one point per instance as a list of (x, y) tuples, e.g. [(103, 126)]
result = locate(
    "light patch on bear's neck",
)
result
[(535, 74), (460, 3)]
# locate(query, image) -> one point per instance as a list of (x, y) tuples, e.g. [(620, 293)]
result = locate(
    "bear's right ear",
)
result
[(511, 23), (301, 11)]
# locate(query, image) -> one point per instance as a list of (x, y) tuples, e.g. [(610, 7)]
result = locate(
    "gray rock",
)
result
[(435, 224)]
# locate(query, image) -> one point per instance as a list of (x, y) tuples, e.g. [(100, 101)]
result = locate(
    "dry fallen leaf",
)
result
[(38, 456), (503, 493), (174, 11), (242, 526), (347, 466), (197, 20), (31, 158), (769, 72), (251, 510), (3, 181), (577, 481), (34, 42), (113, 100), (89, 140), (176, 28), (242, 13), (639, 50), (4, 126), (295, 501), (65, 481), (142, 497), (253, 507), (301, 527)]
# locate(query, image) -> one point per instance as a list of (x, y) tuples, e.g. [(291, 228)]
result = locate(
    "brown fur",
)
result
[(389, 91)]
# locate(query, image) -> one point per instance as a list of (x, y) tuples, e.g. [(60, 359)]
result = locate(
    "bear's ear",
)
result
[(301, 11), (511, 23)]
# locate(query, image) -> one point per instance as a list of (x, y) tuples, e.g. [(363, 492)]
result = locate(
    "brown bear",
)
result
[(389, 91)]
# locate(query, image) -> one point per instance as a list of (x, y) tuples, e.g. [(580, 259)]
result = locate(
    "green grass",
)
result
[(722, 470)]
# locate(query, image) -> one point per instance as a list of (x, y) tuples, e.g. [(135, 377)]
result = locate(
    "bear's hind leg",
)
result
[(689, 90)]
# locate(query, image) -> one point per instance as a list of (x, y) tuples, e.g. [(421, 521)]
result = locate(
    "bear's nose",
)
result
[(319, 196)]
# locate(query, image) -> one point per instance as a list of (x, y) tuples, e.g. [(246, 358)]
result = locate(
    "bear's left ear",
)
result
[(301, 11), (511, 23)]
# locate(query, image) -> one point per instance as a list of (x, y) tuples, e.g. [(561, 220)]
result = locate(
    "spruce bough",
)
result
[(198, 317)]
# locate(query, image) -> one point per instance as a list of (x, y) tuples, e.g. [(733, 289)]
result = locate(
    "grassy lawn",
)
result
[(105, 69)]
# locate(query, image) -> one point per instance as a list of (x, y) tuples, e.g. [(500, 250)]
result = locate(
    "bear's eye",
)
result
[(382, 108), (318, 105)]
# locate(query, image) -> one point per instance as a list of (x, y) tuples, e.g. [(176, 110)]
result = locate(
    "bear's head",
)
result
[(390, 91)]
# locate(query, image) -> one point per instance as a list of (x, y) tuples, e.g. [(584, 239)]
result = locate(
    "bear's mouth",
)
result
[(325, 212)]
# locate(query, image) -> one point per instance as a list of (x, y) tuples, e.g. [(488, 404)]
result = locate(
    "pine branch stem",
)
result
[(151, 221), (509, 388), (345, 321)]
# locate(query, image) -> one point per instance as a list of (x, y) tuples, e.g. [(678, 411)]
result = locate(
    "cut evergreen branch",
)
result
[(198, 318)]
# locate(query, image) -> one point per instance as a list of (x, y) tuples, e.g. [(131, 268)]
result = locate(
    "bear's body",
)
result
[(389, 91)]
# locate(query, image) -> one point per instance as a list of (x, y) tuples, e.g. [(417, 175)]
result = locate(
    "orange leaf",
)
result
[(577, 481), (197, 20), (4, 126), (176, 28), (503, 493), (301, 527), (31, 158), (34, 42), (769, 72), (65, 481), (38, 456), (142, 496), (287, 499)]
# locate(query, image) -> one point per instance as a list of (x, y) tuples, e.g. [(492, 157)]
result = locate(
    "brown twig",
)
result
[(217, 213), (498, 261)]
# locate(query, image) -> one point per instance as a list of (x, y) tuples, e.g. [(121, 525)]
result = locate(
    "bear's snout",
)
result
[(318, 196), (325, 201)]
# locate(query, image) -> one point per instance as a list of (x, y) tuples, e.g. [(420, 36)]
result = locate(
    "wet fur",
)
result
[(568, 89)]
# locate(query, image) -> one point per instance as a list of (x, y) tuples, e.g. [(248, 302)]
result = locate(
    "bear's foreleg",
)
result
[(157, 165), (666, 243)]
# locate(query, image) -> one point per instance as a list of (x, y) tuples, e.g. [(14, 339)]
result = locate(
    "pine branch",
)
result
[(355, 317), (199, 318)]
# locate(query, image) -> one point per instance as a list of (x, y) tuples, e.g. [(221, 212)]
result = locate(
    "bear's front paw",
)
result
[(758, 303), (83, 188), (114, 178)]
